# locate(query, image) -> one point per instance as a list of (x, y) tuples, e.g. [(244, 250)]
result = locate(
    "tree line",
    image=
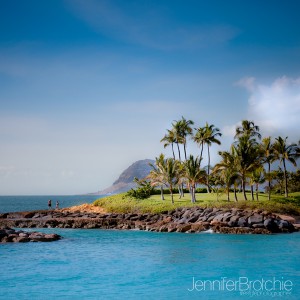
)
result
[(248, 162)]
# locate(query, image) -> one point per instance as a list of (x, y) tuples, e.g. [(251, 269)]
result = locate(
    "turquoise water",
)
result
[(103, 264), (26, 203)]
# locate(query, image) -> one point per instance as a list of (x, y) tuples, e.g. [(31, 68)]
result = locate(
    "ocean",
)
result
[(112, 264), (27, 203)]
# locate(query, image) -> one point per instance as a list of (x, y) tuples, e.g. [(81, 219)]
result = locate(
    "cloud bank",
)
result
[(275, 107)]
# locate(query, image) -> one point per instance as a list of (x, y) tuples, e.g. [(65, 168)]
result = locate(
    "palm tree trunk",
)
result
[(173, 151), (171, 193), (191, 192), (162, 193), (178, 151), (252, 194), (184, 148), (194, 192), (235, 196), (201, 153), (228, 199), (208, 190), (285, 179), (256, 190), (244, 188), (269, 178)]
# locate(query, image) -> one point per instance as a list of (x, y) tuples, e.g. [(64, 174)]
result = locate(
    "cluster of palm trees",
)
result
[(247, 163)]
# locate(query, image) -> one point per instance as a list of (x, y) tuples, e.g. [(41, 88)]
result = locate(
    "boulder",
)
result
[(242, 222), (286, 226), (2, 233), (217, 218), (193, 219), (184, 228), (271, 225), (255, 219), (21, 239), (232, 223), (226, 217)]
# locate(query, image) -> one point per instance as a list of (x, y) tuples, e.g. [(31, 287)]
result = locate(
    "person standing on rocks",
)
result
[(49, 204), (57, 204)]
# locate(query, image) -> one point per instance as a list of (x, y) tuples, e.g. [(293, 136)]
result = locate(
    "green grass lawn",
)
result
[(122, 204)]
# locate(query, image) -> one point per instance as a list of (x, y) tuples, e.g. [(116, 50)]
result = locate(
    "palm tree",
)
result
[(283, 153), (266, 148), (165, 173), (193, 174), (227, 171), (186, 130), (176, 129), (170, 174), (199, 138), (169, 139), (257, 177), (211, 134), (249, 129), (156, 174), (246, 153), (182, 129)]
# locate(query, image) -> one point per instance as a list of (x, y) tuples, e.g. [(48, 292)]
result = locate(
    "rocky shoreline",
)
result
[(190, 220)]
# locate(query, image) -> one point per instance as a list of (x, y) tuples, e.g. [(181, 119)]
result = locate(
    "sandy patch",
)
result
[(85, 208)]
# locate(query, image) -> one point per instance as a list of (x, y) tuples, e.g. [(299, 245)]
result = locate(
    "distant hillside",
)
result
[(139, 169)]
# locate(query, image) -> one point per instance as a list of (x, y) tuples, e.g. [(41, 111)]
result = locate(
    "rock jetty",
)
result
[(191, 220), (9, 235)]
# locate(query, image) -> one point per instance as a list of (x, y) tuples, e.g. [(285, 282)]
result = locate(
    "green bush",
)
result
[(142, 192)]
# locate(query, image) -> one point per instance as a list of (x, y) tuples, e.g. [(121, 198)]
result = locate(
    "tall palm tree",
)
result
[(226, 169), (199, 138), (267, 150), (247, 157), (193, 175), (211, 134), (169, 139), (176, 128), (182, 130), (248, 128), (186, 130), (284, 152)]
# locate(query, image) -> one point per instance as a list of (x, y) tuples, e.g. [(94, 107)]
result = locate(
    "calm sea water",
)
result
[(26, 203), (111, 264), (103, 264)]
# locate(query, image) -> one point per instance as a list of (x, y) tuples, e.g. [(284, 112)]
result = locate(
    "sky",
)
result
[(87, 87)]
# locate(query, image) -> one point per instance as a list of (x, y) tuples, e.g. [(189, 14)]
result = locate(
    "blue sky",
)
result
[(89, 86)]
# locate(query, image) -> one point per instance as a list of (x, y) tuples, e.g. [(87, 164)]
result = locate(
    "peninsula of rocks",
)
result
[(9, 235), (189, 220)]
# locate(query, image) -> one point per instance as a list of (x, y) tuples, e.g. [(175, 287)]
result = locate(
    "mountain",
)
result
[(139, 169)]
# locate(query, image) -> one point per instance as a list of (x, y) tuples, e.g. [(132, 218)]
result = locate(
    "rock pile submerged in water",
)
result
[(195, 219), (9, 235)]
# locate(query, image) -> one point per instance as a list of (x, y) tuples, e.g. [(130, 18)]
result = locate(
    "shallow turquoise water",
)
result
[(103, 264)]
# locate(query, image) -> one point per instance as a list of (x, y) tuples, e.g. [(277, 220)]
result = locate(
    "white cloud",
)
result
[(247, 82), (275, 107)]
